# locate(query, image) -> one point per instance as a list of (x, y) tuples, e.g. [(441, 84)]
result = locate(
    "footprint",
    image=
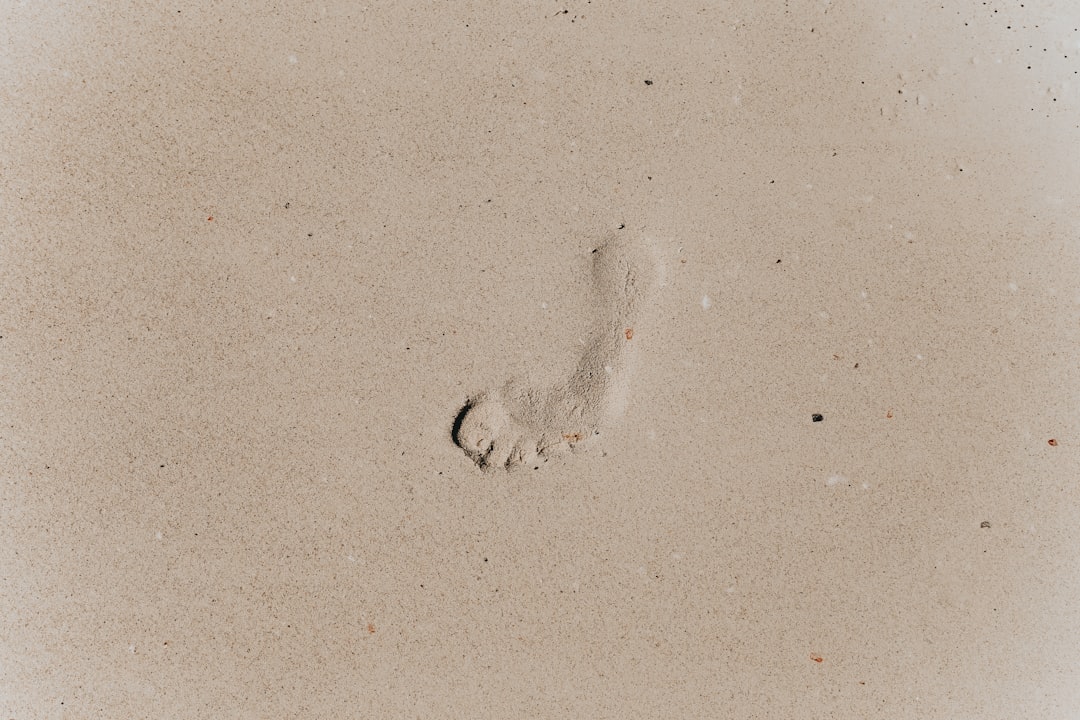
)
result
[(521, 426)]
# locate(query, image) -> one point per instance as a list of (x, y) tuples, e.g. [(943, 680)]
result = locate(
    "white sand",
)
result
[(256, 258)]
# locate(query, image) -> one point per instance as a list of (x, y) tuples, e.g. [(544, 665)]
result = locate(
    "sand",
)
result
[(317, 402)]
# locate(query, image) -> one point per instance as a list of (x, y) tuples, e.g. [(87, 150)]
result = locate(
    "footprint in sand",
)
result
[(520, 426)]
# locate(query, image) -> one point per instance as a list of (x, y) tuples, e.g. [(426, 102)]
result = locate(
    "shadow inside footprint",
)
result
[(455, 430)]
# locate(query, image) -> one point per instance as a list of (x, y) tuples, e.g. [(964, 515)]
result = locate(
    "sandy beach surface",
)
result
[(538, 360)]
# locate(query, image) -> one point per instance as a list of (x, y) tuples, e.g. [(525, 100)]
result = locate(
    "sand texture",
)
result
[(527, 360)]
